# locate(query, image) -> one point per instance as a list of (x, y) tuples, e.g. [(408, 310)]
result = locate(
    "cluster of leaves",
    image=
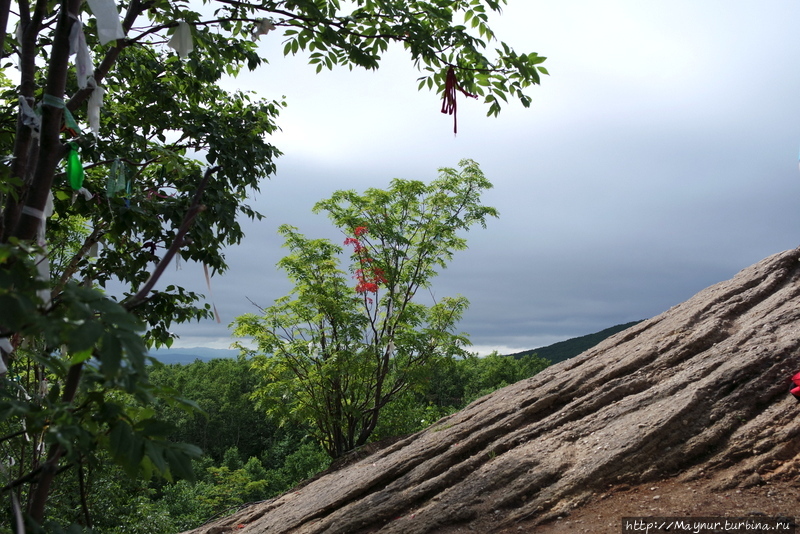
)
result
[(77, 351), (100, 493), (145, 182), (457, 383), (451, 386), (437, 35), (225, 487), (82, 403), (221, 388), (105, 499)]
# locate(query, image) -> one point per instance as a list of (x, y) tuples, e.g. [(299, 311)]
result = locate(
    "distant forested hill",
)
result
[(556, 352), (563, 350), (186, 356)]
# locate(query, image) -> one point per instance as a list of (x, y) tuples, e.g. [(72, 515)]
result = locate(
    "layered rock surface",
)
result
[(699, 389)]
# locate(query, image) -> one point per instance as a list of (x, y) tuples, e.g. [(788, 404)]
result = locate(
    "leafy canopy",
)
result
[(335, 353)]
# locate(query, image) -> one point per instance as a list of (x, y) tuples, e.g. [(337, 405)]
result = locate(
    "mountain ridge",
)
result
[(187, 355), (555, 352), (569, 348)]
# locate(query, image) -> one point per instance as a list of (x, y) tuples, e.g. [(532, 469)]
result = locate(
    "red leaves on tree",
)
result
[(358, 248), (368, 277), (366, 287)]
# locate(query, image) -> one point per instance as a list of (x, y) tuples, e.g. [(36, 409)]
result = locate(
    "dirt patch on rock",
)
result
[(603, 513)]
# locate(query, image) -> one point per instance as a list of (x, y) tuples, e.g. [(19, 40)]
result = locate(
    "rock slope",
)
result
[(702, 388)]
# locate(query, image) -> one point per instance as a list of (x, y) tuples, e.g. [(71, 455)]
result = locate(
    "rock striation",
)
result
[(700, 389)]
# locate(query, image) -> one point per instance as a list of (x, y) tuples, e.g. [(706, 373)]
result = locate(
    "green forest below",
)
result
[(247, 456)]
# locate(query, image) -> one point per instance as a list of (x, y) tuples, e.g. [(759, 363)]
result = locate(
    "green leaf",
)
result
[(180, 457), (154, 428), (154, 451), (110, 354), (80, 357), (120, 442), (535, 59), (85, 336)]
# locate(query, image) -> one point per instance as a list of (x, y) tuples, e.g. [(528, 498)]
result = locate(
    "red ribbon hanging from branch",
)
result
[(449, 97)]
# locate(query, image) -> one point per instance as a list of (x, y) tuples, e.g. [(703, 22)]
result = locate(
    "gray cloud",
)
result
[(660, 157)]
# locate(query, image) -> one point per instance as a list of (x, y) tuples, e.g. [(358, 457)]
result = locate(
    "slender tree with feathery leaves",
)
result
[(342, 346)]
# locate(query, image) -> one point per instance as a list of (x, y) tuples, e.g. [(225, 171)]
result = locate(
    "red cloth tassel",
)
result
[(796, 391), (449, 106)]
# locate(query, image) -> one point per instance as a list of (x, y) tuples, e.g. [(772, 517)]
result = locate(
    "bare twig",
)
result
[(262, 310)]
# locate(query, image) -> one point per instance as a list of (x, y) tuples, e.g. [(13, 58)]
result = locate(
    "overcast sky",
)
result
[(659, 157)]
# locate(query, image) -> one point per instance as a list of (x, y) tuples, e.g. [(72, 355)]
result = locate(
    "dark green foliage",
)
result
[(113, 503), (487, 374), (249, 457), (452, 385), (78, 392), (222, 489), (564, 350), (407, 414), (221, 388)]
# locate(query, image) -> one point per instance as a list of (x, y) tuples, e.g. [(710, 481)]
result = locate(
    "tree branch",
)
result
[(70, 269), (50, 467), (5, 7), (194, 209), (24, 148)]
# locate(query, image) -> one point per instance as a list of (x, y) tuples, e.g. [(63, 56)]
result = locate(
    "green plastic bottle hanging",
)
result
[(74, 167)]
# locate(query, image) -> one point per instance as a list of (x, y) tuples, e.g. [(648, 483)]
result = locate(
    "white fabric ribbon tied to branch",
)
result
[(5, 348), (83, 58), (109, 27), (42, 262), (29, 117), (84, 69), (93, 107), (182, 41), (263, 27)]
